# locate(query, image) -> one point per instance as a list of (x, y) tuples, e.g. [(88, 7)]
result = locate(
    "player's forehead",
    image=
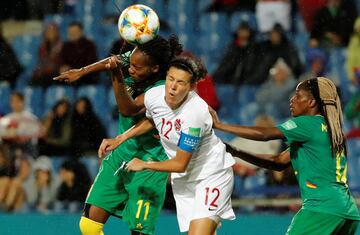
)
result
[(178, 74), (139, 58), (302, 91)]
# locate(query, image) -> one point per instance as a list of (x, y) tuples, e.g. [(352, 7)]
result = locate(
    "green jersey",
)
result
[(145, 147), (320, 173), (137, 197)]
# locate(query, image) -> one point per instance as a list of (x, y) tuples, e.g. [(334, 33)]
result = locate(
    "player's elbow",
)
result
[(280, 167), (179, 169), (279, 164), (127, 113)]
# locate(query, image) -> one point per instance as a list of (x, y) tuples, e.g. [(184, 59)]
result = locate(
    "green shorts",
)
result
[(314, 223), (136, 197)]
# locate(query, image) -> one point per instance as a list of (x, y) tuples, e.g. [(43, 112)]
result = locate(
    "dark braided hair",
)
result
[(192, 65), (161, 52)]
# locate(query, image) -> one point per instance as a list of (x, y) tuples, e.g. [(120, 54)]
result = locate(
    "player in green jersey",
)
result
[(135, 197), (317, 152)]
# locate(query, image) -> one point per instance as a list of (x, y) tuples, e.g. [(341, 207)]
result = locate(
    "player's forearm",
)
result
[(254, 133), (170, 165), (95, 67), (267, 161), (126, 104), (177, 164), (138, 129)]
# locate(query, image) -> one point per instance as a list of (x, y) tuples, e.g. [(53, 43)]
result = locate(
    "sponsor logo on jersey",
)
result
[(323, 127), (177, 125)]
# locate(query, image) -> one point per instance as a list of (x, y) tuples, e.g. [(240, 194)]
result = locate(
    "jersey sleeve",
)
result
[(194, 127), (296, 130), (147, 98)]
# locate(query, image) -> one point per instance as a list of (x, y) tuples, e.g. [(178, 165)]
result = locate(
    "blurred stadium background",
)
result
[(261, 209)]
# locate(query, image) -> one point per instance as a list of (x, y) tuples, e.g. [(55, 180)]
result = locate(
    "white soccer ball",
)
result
[(138, 24)]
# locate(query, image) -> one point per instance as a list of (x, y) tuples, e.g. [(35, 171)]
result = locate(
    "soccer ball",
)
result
[(138, 24)]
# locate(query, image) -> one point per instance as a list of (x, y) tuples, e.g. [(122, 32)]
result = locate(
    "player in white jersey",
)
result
[(202, 177)]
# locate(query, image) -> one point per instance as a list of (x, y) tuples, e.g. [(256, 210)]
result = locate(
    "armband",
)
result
[(188, 143)]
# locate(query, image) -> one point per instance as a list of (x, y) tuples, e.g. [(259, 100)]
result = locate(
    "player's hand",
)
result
[(135, 165), (69, 76), (109, 145), (215, 118), (113, 62)]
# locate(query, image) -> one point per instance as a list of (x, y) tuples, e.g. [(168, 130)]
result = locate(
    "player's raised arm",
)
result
[(127, 105), (73, 75)]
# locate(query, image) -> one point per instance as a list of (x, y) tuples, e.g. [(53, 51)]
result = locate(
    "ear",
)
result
[(312, 103), (155, 68)]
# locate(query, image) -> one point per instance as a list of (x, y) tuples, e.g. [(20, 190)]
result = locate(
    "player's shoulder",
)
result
[(197, 105), (303, 122), (198, 101), (154, 94), (155, 91)]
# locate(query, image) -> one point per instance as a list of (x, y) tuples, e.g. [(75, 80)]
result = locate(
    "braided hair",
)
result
[(328, 100), (161, 52), (191, 65)]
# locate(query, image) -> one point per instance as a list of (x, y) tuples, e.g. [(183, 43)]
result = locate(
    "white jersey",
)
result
[(191, 118)]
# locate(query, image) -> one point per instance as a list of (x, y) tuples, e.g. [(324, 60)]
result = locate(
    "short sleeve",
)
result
[(197, 123), (147, 104), (296, 129)]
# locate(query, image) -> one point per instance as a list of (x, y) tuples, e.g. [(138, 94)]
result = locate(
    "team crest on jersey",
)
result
[(177, 125)]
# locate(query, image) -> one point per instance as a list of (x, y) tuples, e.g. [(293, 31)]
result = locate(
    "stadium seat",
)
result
[(229, 105), (92, 164), (26, 47), (242, 16), (57, 92), (111, 7), (97, 94), (354, 164), (5, 92), (56, 163), (34, 98)]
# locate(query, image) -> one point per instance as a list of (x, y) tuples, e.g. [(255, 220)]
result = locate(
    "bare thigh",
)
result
[(204, 226)]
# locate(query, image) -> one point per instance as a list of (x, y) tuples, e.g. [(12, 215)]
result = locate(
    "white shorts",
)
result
[(204, 198)]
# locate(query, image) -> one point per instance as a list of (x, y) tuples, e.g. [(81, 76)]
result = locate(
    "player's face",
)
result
[(300, 103), (177, 85), (140, 67)]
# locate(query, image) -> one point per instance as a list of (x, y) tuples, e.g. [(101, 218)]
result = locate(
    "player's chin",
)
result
[(137, 78), (293, 113)]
